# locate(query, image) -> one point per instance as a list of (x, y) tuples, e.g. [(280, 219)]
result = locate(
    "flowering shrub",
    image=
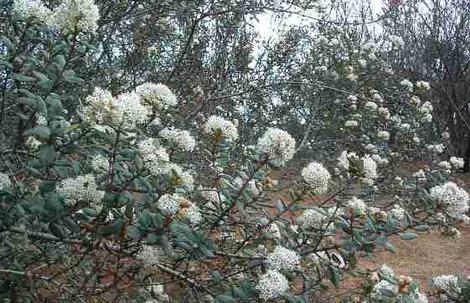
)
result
[(107, 197)]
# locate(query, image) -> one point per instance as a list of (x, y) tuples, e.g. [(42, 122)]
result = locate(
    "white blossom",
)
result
[(74, 16), (193, 214), (457, 163), (80, 189), (351, 123), (272, 284), (32, 143), (447, 284), (383, 135), (436, 148), (168, 204), (278, 145), (453, 198), (356, 205), (99, 108), (154, 156), (130, 110), (423, 85), (362, 63), (314, 218), (372, 106), (445, 165), (352, 99), (369, 169), (426, 108), (157, 96), (407, 84), (218, 126), (41, 120), (344, 160), (420, 175), (178, 138), (317, 177), (32, 9), (445, 136), (99, 163), (283, 259), (384, 112), (5, 182), (398, 212)]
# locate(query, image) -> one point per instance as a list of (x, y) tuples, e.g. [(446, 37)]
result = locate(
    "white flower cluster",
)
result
[(425, 110), (278, 145), (272, 284), (314, 218), (372, 106), (457, 163), (130, 110), (156, 160), (189, 210), (453, 198), (423, 85), (99, 163), (168, 204), (154, 156), (5, 182), (344, 160), (384, 112), (436, 148), (157, 96), (81, 189), (446, 166), (194, 216), (379, 160), (126, 110), (407, 84), (447, 284), (283, 259), (176, 204), (73, 16), (351, 124), (317, 177), (383, 135), (178, 138), (221, 128), (398, 212), (32, 9), (179, 176), (100, 107), (369, 170), (356, 205)]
